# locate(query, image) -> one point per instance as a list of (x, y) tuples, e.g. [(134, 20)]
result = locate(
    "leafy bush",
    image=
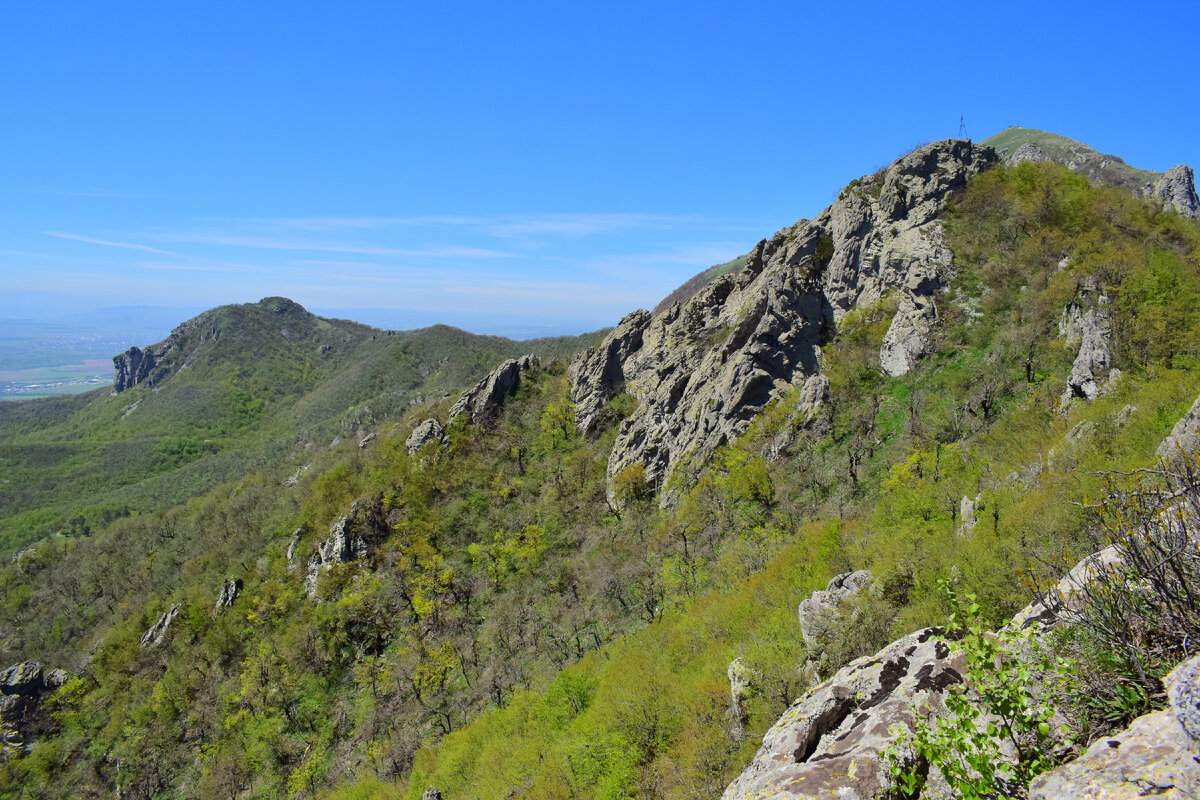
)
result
[(995, 735)]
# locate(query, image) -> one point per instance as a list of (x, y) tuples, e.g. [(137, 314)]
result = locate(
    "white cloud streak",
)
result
[(106, 243)]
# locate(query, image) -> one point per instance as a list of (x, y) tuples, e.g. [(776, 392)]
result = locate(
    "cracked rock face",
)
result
[(701, 369), (830, 743), (483, 401)]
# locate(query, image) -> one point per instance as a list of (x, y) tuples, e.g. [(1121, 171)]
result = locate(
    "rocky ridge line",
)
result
[(701, 369)]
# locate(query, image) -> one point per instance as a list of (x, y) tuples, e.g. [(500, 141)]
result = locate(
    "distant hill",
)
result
[(229, 389)]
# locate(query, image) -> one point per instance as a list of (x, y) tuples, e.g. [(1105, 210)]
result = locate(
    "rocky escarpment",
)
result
[(477, 405), (702, 368), (1175, 188)]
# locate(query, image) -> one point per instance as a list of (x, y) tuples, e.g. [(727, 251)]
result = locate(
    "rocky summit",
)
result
[(702, 368)]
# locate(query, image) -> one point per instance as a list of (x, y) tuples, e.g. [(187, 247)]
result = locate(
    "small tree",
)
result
[(630, 485)]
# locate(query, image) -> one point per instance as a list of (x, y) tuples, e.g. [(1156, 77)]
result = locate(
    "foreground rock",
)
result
[(755, 332), (831, 743), (1158, 755), (483, 401)]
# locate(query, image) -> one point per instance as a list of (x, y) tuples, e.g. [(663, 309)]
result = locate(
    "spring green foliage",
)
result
[(245, 383), (509, 631), (1005, 703)]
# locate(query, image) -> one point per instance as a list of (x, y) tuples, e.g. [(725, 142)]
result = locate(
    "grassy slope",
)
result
[(650, 714)]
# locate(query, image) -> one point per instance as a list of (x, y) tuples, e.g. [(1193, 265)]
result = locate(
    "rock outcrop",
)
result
[(741, 676), (482, 402), (824, 602), (1185, 436), (1088, 318), (702, 368), (229, 592), (1158, 755), (352, 538), (428, 431), (155, 634), (22, 687), (1177, 191)]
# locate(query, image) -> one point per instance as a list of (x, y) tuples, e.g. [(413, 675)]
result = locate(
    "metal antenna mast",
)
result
[(962, 127)]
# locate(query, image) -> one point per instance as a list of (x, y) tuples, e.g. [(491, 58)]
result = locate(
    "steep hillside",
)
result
[(581, 577)]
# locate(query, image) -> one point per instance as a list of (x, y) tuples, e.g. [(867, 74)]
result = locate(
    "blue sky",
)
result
[(563, 162)]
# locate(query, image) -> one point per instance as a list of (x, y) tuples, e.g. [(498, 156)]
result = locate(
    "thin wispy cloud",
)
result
[(500, 225), (595, 293), (106, 243)]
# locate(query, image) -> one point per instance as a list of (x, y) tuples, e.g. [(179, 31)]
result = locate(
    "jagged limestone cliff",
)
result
[(702, 368)]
